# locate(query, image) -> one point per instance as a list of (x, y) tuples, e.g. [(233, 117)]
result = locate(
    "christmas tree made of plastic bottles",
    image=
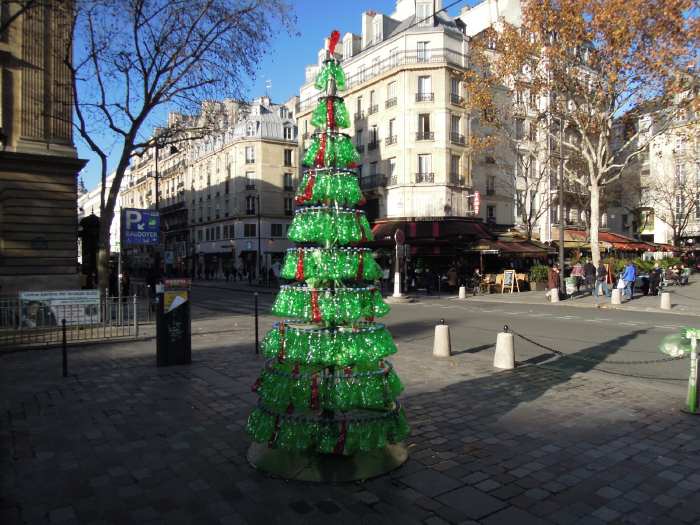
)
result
[(327, 386)]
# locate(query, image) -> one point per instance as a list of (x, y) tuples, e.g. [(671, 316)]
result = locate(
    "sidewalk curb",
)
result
[(606, 306), (72, 344), (267, 291)]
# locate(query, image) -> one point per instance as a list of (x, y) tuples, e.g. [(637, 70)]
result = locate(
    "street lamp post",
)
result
[(260, 276), (161, 244)]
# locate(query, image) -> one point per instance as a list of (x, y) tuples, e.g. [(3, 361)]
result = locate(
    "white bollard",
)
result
[(504, 357), (665, 301), (441, 344), (554, 295), (616, 296), (462, 292), (397, 285)]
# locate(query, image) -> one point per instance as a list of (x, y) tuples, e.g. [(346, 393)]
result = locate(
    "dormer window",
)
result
[(377, 28), (424, 14)]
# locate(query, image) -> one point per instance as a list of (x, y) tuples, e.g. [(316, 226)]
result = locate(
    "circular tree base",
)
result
[(327, 468)]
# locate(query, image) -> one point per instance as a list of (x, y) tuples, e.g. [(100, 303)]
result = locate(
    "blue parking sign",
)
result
[(141, 226)]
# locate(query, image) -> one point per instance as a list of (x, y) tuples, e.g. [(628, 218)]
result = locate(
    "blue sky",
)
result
[(289, 55)]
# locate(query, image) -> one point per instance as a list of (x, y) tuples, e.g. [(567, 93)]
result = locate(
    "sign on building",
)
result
[(49, 308), (141, 226)]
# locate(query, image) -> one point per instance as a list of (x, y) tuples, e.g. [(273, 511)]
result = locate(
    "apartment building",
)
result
[(226, 199), (403, 94), (659, 196), (413, 131)]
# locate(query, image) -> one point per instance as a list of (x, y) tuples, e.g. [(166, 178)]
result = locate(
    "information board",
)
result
[(49, 308), (510, 282)]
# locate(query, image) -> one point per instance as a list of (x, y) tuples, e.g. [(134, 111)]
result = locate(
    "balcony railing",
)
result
[(359, 115), (456, 99), (377, 180), (250, 211), (490, 191), (305, 136), (425, 177), (456, 179), (393, 180), (425, 135), (250, 161), (391, 62), (390, 103), (250, 186), (360, 148), (425, 97), (390, 140), (372, 145), (373, 109), (288, 188), (289, 213), (457, 138)]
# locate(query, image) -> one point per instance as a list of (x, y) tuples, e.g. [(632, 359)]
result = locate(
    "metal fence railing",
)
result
[(33, 322)]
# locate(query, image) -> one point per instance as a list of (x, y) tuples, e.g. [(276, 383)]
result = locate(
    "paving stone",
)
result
[(473, 503), (512, 516), (430, 483)]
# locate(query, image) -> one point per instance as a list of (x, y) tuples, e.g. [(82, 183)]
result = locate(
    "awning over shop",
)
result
[(577, 239), (419, 231), (514, 248)]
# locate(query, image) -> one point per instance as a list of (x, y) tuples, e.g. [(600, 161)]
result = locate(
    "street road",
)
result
[(602, 340)]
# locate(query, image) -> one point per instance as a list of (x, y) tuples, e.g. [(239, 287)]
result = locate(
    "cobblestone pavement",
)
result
[(121, 441)]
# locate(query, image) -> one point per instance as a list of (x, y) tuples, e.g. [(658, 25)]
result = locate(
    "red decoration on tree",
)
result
[(315, 310), (335, 37), (295, 371), (330, 113), (256, 385), (362, 201), (308, 190), (299, 275), (314, 392), (340, 444), (360, 267), (321, 155)]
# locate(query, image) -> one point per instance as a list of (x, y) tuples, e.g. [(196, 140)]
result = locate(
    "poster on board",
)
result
[(48, 308)]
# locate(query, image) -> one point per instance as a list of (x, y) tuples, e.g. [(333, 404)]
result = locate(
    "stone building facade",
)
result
[(38, 161)]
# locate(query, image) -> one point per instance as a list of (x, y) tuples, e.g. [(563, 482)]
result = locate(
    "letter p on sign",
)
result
[(132, 217)]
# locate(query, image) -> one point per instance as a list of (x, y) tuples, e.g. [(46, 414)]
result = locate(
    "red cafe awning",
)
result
[(430, 230)]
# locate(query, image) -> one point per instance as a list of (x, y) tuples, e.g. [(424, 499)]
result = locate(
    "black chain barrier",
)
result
[(598, 361)]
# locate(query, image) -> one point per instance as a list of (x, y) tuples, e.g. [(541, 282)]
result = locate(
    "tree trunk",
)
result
[(103, 251), (595, 220)]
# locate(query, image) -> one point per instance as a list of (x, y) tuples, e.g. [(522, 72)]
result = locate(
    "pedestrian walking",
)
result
[(386, 276), (654, 279), (629, 276), (553, 277), (601, 283), (589, 272), (578, 273)]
